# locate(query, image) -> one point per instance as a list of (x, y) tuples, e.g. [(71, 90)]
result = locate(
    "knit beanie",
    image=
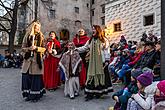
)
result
[(136, 73), (145, 79), (161, 86)]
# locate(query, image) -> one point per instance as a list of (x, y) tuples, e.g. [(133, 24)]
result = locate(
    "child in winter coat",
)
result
[(141, 101), (121, 97)]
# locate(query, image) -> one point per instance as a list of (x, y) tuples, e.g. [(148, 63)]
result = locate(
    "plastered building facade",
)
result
[(132, 18)]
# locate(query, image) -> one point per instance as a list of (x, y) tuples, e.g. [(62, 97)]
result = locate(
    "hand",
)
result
[(50, 51), (75, 49), (116, 98), (106, 63), (58, 69), (32, 48), (132, 70), (133, 95), (54, 51), (104, 46), (44, 57)]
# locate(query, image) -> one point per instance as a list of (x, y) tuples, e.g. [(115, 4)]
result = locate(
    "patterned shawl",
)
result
[(80, 40), (65, 61)]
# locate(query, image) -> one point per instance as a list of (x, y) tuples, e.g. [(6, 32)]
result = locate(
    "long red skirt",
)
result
[(83, 76), (51, 75)]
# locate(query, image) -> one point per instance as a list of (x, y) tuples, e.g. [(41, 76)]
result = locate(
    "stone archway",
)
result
[(64, 34)]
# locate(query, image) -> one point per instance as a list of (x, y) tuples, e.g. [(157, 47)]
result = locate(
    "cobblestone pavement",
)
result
[(11, 99)]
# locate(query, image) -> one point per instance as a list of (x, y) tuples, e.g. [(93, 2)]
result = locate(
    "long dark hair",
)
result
[(99, 33), (52, 32)]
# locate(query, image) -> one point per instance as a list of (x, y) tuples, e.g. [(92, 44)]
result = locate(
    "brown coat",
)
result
[(31, 63)]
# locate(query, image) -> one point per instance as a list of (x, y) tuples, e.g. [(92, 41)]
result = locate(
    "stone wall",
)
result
[(131, 15), (65, 16)]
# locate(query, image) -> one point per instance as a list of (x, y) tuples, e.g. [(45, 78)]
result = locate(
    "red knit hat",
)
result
[(161, 86)]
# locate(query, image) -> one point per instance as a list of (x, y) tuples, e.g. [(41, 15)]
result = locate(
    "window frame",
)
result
[(103, 8), (93, 12), (51, 13), (103, 20), (115, 29), (146, 21), (93, 2), (77, 10)]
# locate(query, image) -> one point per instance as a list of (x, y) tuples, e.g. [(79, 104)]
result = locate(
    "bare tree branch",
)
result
[(3, 18), (6, 8), (2, 4), (8, 22), (4, 28)]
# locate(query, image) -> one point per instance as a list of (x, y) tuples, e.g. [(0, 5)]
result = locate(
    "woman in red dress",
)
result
[(79, 40), (51, 61)]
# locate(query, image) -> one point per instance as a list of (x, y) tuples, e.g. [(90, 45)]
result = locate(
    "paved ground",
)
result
[(11, 99)]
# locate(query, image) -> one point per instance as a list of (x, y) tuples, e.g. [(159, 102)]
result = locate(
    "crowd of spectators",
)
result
[(10, 60), (137, 66)]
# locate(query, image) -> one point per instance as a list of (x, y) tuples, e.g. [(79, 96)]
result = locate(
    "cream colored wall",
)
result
[(130, 13)]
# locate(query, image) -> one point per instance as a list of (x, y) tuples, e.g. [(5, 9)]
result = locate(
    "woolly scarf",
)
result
[(38, 43), (95, 69), (80, 40)]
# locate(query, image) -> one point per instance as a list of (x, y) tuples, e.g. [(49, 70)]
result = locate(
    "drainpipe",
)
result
[(162, 74)]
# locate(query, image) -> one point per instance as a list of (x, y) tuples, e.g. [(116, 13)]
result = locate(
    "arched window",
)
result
[(64, 34), (77, 23)]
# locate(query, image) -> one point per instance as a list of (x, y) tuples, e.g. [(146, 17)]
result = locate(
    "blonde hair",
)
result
[(139, 47), (30, 28)]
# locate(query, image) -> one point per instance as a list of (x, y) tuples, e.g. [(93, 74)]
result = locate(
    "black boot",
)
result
[(27, 99), (89, 97), (98, 96)]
